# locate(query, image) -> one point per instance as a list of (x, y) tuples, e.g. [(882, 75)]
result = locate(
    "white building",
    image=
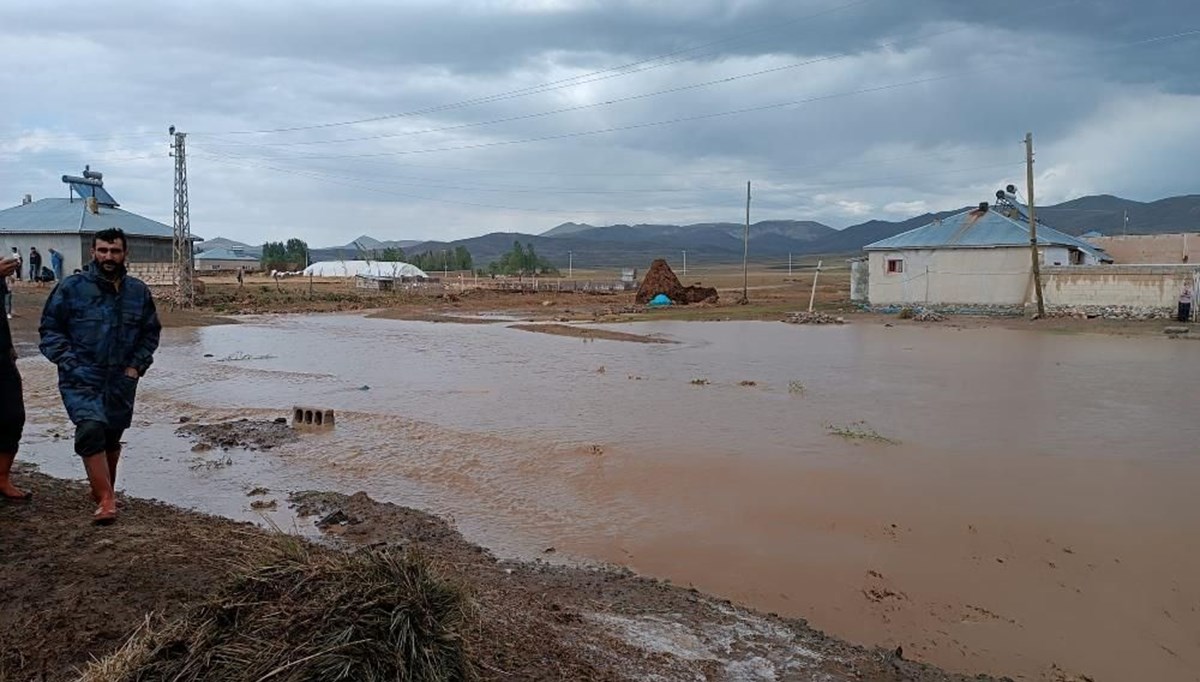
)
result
[(977, 257), (222, 259), (67, 225)]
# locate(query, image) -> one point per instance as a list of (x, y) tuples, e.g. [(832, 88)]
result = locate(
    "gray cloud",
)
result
[(930, 120)]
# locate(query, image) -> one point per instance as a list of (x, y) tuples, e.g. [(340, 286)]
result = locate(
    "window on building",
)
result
[(1076, 258), (895, 266)]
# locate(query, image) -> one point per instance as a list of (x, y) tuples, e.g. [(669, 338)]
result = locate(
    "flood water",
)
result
[(1030, 499)]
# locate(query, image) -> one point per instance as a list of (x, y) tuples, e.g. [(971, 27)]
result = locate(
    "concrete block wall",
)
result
[(153, 273), (1151, 248), (1156, 286)]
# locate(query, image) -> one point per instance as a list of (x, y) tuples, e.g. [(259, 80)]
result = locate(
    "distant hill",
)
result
[(355, 247), (715, 234), (851, 239), (565, 229), (1105, 213), (615, 246)]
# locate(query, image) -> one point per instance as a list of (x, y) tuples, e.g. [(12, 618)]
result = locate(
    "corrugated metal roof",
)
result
[(225, 254), (975, 229), (62, 216)]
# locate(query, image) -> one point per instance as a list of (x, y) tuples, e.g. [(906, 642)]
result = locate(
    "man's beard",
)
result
[(110, 267)]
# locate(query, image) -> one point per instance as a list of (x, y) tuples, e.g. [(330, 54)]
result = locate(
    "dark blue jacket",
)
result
[(93, 329)]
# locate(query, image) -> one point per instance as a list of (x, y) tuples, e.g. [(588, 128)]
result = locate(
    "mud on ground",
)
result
[(74, 591), (771, 297), (243, 433), (588, 333)]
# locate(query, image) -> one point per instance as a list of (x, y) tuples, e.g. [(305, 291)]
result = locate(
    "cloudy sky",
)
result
[(440, 119)]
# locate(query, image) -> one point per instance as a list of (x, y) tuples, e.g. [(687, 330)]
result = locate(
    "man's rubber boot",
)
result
[(96, 467), (9, 491), (113, 457)]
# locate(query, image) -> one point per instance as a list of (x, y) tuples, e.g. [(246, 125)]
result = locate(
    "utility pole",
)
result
[(1033, 246), (685, 263), (182, 236), (789, 263), (570, 265), (746, 250), (1125, 224)]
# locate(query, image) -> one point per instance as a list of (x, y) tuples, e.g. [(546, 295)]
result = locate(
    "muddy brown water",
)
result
[(1035, 510)]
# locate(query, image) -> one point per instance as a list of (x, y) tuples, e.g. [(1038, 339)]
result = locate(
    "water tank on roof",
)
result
[(76, 180)]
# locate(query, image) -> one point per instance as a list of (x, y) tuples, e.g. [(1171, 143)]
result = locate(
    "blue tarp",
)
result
[(660, 299)]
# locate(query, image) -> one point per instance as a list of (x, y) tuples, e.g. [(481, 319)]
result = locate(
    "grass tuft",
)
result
[(297, 613)]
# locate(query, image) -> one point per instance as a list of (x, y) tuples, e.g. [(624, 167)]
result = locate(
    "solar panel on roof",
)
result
[(86, 191)]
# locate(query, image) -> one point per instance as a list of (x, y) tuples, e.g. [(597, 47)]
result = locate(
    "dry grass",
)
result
[(298, 613), (859, 430)]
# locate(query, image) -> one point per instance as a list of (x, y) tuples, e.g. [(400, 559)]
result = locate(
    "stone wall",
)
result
[(153, 273), (1136, 291)]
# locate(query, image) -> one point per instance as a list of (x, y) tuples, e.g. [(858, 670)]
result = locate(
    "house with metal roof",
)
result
[(225, 259), (67, 225), (978, 257)]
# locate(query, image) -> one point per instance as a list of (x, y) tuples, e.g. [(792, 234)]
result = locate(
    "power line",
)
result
[(712, 115), (652, 124), (733, 171), (603, 74), (630, 98), (364, 183), (86, 153), (582, 79)]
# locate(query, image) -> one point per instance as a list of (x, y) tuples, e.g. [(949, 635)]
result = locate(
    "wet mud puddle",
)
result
[(992, 501)]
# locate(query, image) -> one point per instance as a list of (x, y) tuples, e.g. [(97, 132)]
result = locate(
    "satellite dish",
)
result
[(171, 130), (1011, 189)]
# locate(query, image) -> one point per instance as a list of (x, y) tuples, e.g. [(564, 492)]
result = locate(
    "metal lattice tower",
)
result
[(184, 265)]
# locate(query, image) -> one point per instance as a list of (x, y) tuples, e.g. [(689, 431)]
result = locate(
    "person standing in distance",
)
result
[(56, 264), (12, 401), (35, 265), (101, 328)]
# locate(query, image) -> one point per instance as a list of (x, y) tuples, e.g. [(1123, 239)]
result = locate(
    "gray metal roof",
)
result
[(975, 229), (62, 216), (225, 254)]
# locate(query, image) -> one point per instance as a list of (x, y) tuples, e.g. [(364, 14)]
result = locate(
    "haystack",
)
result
[(660, 279), (300, 614)]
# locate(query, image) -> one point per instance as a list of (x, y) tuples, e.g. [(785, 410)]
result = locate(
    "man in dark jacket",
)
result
[(35, 264), (101, 328), (12, 402)]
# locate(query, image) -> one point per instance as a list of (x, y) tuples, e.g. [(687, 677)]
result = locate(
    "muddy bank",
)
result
[(427, 316), (588, 333), (243, 433), (223, 303), (73, 592)]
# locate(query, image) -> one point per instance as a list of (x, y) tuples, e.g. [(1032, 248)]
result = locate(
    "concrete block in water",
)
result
[(313, 418)]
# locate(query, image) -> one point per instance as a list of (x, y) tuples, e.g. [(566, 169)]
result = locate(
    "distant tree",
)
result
[(522, 260), (462, 258), (292, 255), (457, 259), (392, 254), (296, 251)]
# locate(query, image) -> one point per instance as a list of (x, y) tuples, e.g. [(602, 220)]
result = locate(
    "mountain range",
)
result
[(597, 246)]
